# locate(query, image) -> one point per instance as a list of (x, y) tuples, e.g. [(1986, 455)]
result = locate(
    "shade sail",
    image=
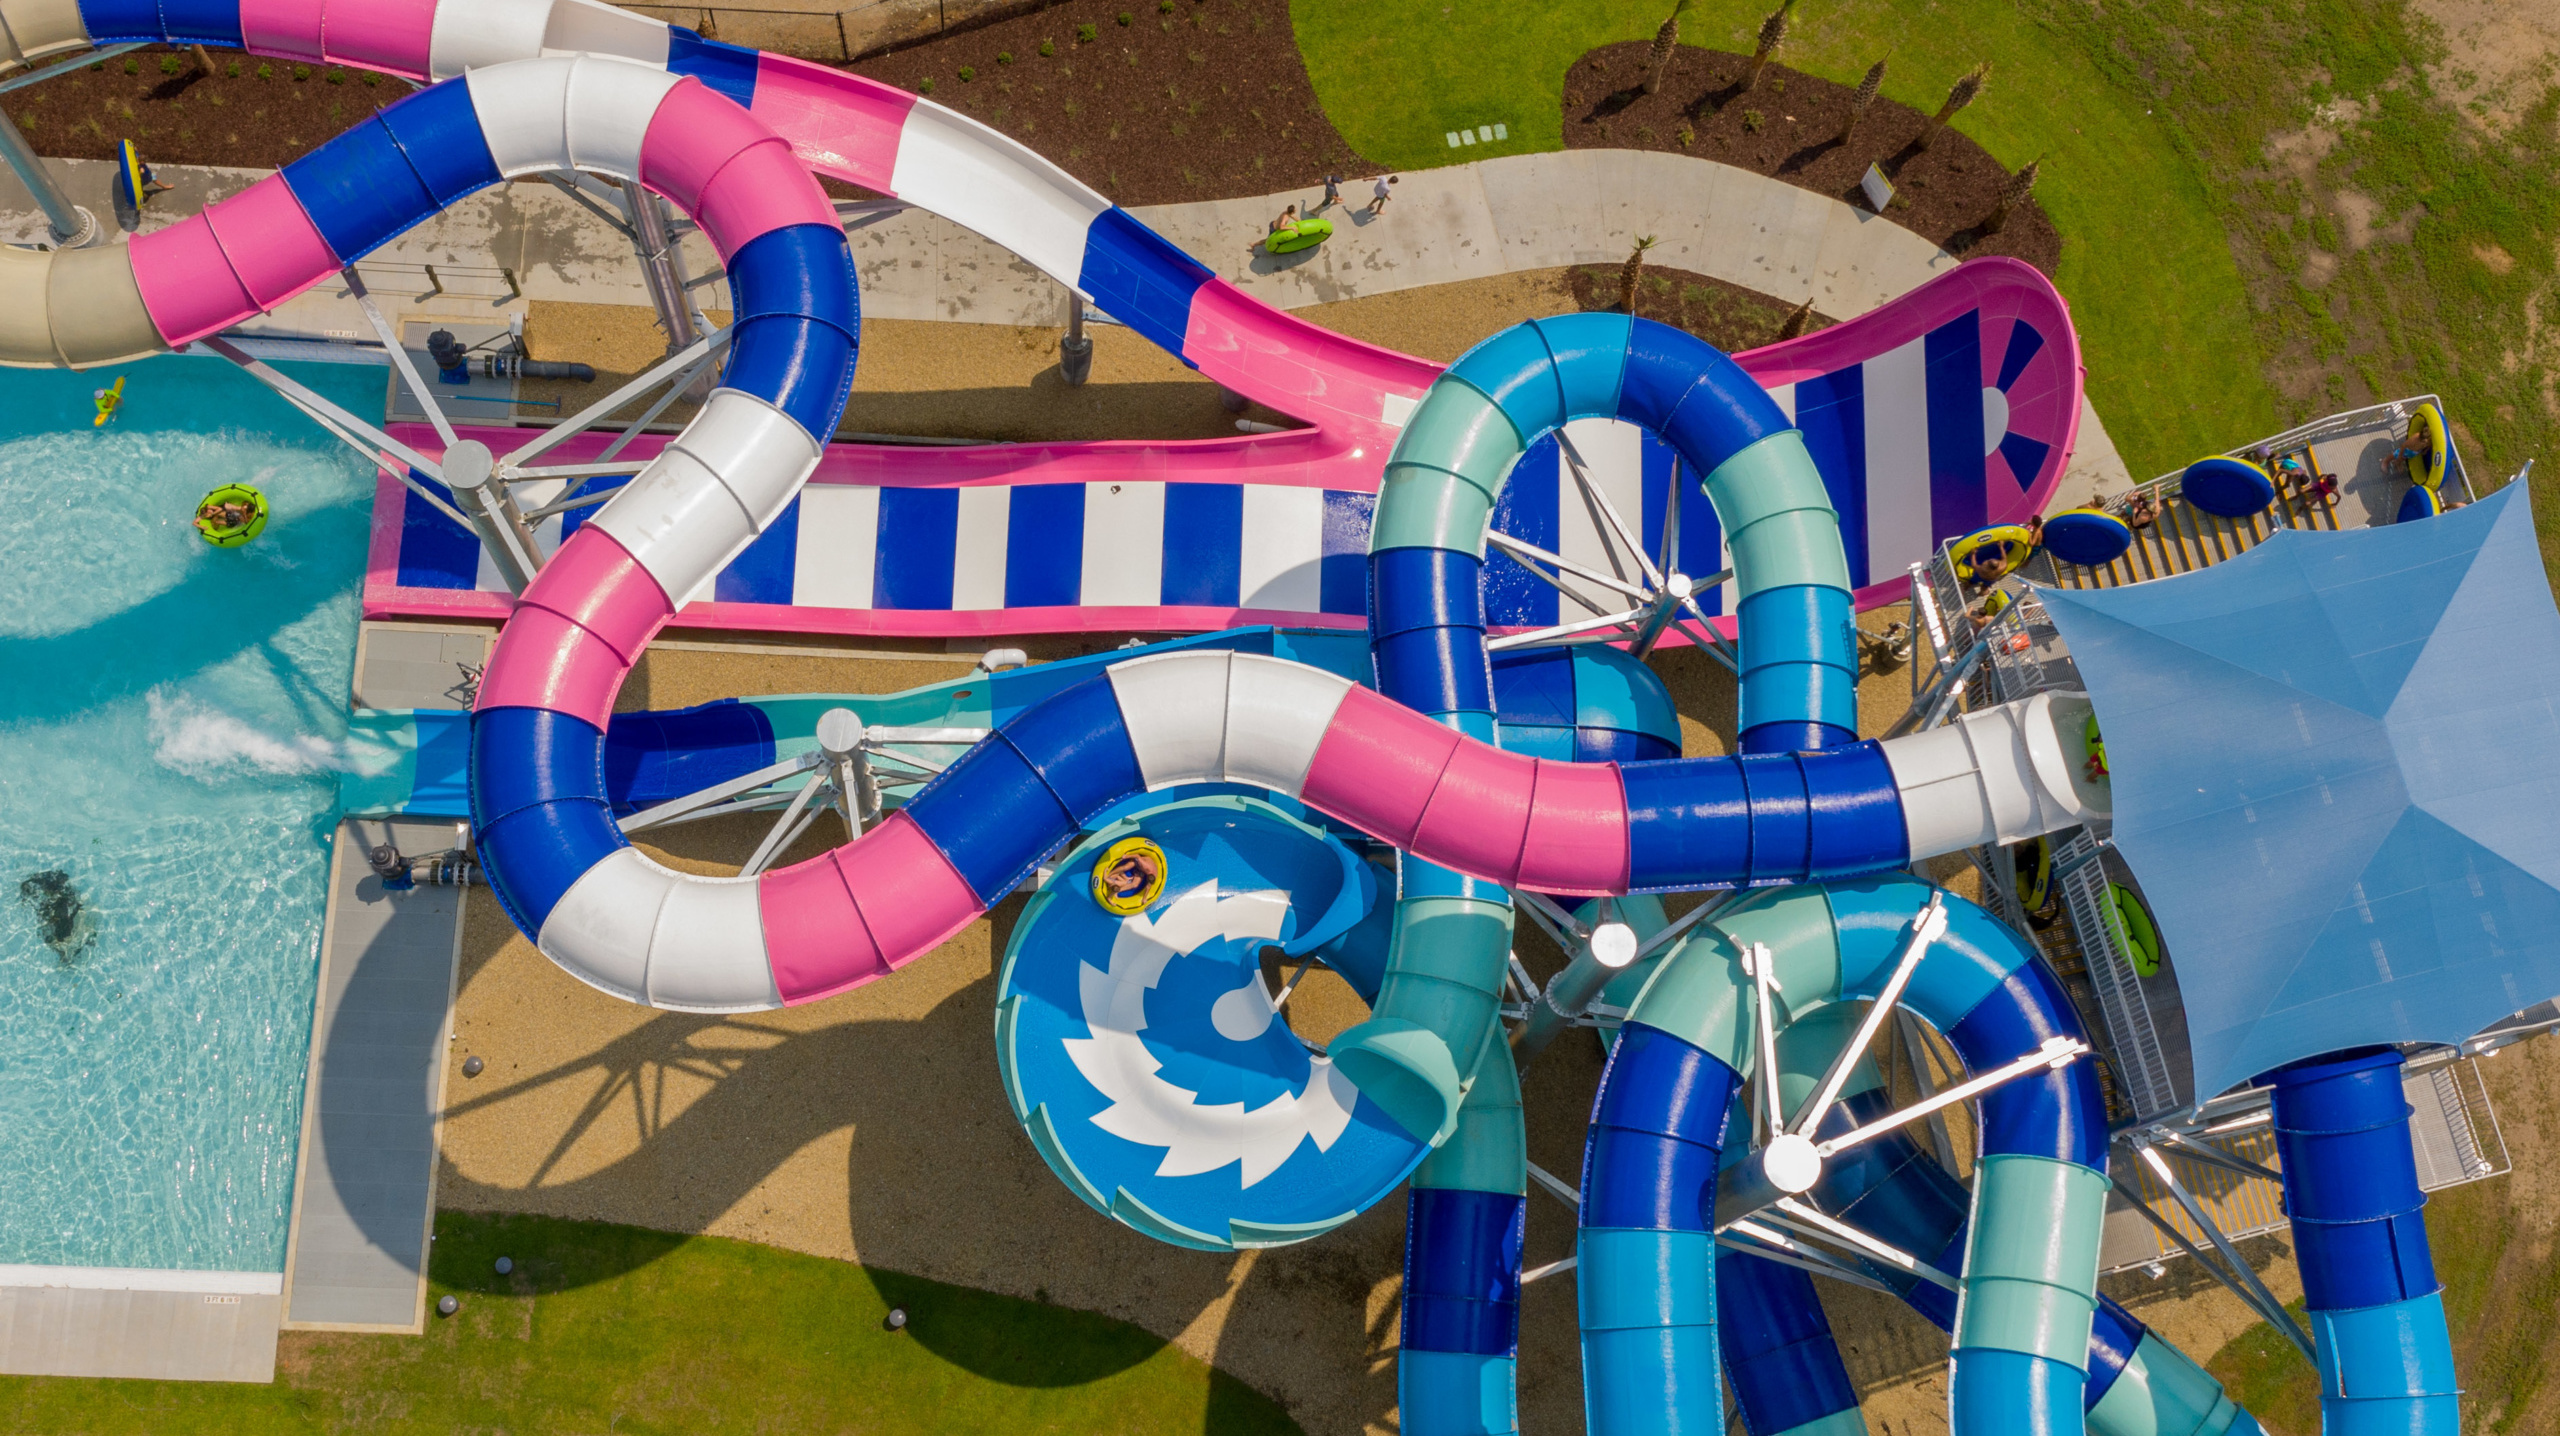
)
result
[(2337, 776)]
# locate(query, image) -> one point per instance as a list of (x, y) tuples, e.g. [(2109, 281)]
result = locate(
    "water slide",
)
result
[(1590, 703), (1826, 820)]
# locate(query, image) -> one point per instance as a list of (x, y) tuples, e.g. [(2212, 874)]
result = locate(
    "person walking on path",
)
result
[(1378, 195), (1332, 193)]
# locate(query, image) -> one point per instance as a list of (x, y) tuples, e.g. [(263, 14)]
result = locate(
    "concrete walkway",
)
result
[(1474, 221), (1470, 221)]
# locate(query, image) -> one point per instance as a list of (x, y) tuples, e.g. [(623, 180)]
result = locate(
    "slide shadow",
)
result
[(192, 626)]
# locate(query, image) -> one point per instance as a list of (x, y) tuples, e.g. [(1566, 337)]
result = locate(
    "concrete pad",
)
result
[(162, 1335), (365, 1193)]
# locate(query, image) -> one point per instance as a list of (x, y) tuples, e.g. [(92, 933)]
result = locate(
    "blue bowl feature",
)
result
[(1142, 1054)]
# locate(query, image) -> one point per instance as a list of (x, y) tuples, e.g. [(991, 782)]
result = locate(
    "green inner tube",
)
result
[(1305, 234), (237, 534), (2140, 940)]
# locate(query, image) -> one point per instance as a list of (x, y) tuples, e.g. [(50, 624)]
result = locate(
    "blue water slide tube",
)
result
[(1647, 1282), (1426, 617), (1458, 1348), (2360, 1235), (1890, 1188), (1456, 1355)]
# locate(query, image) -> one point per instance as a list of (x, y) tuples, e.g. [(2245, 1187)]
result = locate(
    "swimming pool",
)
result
[(170, 719)]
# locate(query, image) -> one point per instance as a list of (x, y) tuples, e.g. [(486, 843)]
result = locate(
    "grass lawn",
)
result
[(2269, 213), (2395, 243), (2145, 263), (615, 1328)]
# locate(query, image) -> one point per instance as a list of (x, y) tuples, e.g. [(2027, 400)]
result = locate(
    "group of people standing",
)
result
[(1380, 191)]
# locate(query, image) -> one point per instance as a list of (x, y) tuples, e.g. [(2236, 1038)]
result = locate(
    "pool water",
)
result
[(171, 717)]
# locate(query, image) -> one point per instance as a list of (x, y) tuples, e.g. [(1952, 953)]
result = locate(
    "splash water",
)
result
[(170, 728)]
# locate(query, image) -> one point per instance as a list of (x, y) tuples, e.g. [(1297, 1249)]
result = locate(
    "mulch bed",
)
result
[(1789, 127), (1725, 315), (1191, 99), (251, 113)]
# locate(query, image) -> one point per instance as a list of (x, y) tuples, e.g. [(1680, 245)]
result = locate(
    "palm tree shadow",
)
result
[(1804, 159), (1615, 103)]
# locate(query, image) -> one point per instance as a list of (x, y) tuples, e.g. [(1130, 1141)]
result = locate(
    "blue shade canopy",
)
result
[(2337, 775)]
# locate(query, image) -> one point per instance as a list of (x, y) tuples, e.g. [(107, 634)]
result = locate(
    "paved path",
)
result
[(1470, 221), (1473, 221)]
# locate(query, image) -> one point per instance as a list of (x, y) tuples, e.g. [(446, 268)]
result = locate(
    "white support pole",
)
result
[(1925, 928), (472, 475), (841, 738), (1570, 993)]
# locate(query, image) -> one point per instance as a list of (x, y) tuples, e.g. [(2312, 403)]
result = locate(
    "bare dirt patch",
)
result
[(1191, 99), (2499, 55), (1789, 128), (253, 113)]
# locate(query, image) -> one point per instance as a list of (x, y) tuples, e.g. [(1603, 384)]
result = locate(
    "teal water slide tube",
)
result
[(1779, 1353), (1647, 1248)]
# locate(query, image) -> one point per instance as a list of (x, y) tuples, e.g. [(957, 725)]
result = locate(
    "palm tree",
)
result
[(1634, 270), (1961, 95), (1665, 41), (1773, 33), (1862, 97), (1798, 321), (2013, 194)]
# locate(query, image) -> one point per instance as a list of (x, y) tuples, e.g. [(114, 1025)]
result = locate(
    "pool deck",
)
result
[(156, 1325), (364, 1200), (373, 1109)]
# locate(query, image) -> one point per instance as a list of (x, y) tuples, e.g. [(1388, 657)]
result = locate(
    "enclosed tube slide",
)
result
[(1658, 1128), (1797, 647), (2360, 1236), (79, 309), (1888, 1187)]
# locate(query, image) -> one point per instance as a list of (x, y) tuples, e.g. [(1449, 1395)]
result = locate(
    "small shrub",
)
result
[(132, 66), (1124, 17), (336, 77), (1752, 120), (925, 85), (967, 74), (1085, 34), (371, 79), (1048, 48), (1004, 57), (1688, 136), (302, 72), (1195, 57), (1164, 7), (168, 64), (266, 72)]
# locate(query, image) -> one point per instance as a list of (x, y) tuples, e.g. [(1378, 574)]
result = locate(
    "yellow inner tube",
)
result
[(2033, 860), (233, 535), (2426, 435), (2004, 537)]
